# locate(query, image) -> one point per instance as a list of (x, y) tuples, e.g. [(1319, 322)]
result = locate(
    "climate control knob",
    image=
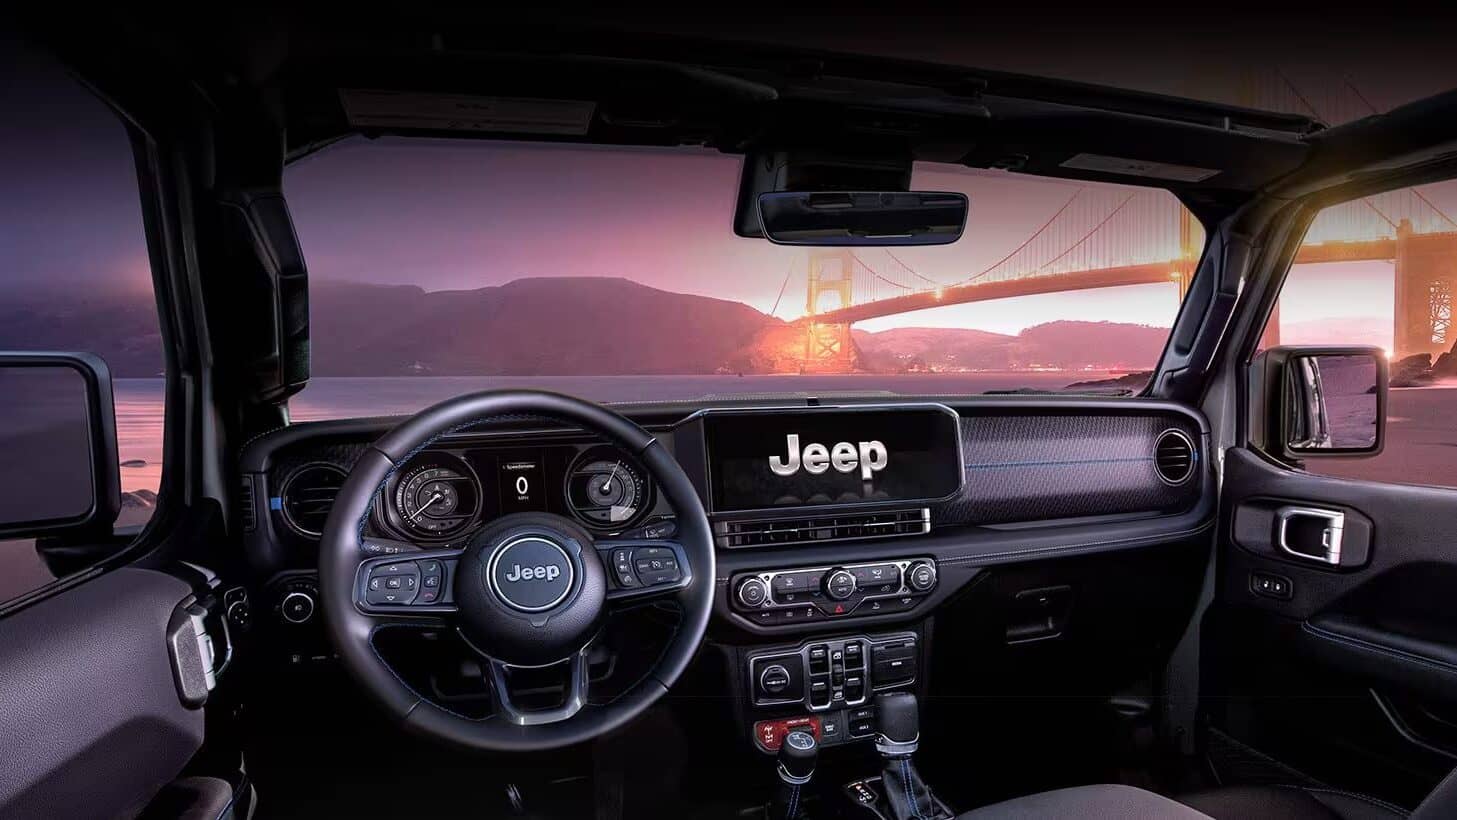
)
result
[(839, 585), (921, 575), (752, 592)]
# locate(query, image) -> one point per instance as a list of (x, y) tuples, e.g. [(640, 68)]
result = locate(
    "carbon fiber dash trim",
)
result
[(1045, 466)]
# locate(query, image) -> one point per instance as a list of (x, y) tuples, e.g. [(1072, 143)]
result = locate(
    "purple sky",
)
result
[(448, 215)]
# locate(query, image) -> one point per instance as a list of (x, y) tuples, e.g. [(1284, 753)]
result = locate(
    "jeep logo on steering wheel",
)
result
[(530, 573), (546, 573)]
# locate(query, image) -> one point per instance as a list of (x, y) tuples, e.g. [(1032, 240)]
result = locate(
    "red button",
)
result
[(770, 733)]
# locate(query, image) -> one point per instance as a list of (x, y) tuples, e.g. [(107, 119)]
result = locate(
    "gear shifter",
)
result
[(898, 731), (797, 755)]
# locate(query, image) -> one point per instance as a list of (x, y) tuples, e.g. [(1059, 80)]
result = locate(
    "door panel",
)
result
[(1308, 671), (91, 714)]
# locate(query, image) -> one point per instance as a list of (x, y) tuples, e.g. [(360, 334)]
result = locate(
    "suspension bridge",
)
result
[(1101, 237)]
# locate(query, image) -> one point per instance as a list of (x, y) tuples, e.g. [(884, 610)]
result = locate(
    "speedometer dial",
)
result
[(605, 490), (436, 498)]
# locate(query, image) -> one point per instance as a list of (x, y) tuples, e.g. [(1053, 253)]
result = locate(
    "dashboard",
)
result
[(841, 530), (790, 487)]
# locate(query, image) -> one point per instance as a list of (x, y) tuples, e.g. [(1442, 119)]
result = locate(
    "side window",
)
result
[(74, 272), (1381, 270)]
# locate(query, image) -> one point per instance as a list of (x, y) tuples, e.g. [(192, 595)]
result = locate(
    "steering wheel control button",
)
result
[(658, 531), (396, 583), (531, 573), (921, 576), (622, 572), (656, 565), (752, 593)]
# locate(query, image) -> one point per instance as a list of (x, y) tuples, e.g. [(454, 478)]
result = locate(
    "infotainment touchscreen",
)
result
[(808, 457)]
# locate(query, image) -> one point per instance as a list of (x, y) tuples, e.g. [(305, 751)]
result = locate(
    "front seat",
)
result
[(1106, 802)]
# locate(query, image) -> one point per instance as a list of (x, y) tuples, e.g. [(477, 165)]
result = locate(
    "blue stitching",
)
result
[(906, 784), (793, 802), (1006, 464), (1371, 647)]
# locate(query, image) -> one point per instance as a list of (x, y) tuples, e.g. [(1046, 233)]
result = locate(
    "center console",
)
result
[(824, 685)]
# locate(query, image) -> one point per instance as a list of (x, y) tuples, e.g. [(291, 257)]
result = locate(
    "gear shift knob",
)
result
[(897, 720), (797, 755)]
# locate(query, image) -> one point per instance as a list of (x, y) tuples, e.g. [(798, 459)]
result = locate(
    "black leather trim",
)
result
[(89, 710)]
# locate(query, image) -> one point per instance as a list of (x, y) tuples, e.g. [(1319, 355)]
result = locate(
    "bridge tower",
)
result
[(828, 347), (1426, 276)]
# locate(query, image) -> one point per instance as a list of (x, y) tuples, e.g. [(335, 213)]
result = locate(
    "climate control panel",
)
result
[(809, 594)]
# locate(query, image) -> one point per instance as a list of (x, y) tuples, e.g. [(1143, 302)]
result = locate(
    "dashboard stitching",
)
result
[(1062, 463), (249, 442), (976, 557), (1364, 798), (1068, 547), (1409, 657)]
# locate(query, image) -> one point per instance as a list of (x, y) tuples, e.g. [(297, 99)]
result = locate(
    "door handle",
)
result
[(1332, 531)]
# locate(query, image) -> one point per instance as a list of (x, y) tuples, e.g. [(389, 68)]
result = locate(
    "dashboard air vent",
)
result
[(1174, 457), (247, 511), (834, 527), (308, 495)]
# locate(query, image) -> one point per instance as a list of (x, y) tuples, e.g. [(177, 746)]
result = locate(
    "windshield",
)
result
[(441, 267)]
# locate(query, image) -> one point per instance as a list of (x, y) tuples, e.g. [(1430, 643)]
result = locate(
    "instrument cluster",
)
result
[(441, 496)]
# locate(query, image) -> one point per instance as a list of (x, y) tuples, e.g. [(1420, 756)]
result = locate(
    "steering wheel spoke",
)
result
[(407, 587), (574, 697), (644, 570)]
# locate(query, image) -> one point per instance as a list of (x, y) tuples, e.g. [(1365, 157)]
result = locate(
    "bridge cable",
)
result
[(1089, 234), (912, 271), (1369, 204), (788, 273), (877, 274), (1022, 246), (1433, 206)]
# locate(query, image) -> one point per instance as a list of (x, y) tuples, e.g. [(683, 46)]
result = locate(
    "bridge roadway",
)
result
[(1144, 274)]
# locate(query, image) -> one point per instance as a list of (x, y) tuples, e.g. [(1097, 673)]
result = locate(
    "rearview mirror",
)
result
[(862, 218), (1326, 401), (58, 437)]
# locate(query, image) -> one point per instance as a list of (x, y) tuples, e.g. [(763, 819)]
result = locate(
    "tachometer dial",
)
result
[(437, 498), (607, 491)]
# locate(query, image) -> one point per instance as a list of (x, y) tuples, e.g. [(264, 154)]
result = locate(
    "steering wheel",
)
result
[(529, 590)]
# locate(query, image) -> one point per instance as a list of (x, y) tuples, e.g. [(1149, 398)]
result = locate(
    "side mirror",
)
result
[(1320, 402), (58, 437)]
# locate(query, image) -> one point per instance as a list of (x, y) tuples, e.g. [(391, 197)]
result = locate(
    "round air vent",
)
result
[(308, 495), (1174, 457)]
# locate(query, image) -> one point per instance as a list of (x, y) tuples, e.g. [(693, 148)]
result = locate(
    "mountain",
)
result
[(117, 322), (1074, 344), (946, 348), (560, 326)]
